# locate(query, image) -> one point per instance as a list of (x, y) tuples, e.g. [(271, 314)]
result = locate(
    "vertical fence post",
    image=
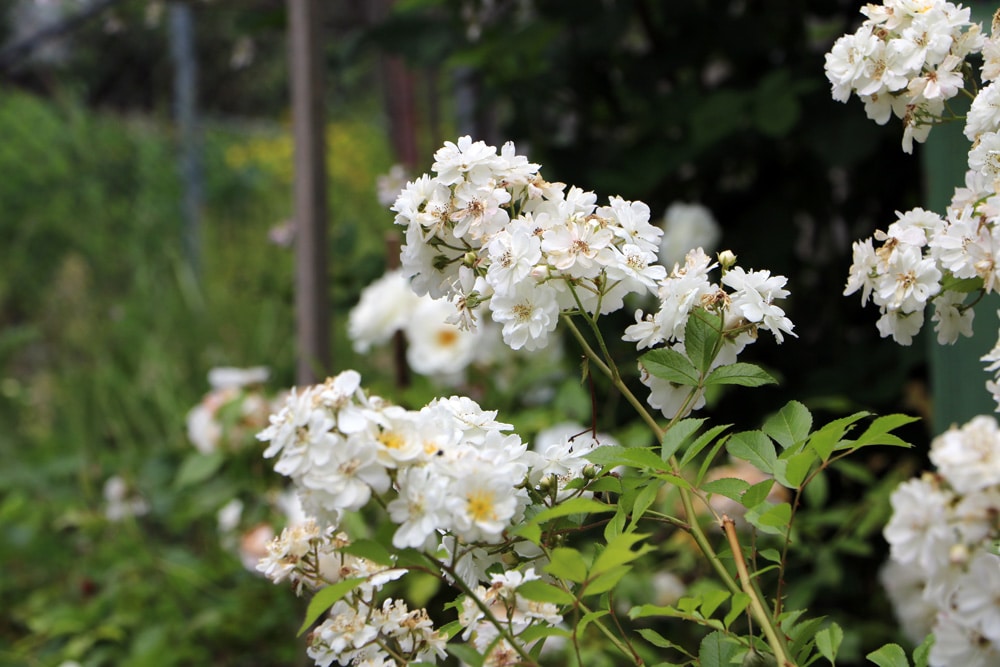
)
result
[(181, 35), (311, 280)]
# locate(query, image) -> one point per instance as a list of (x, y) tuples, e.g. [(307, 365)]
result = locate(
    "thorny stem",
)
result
[(774, 638)]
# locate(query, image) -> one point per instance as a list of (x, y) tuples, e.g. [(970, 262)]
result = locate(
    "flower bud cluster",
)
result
[(905, 60), (488, 231), (944, 572)]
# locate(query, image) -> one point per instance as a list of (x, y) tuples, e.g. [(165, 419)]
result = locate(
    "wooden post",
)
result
[(311, 280)]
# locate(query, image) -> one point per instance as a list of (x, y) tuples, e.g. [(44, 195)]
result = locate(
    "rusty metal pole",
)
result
[(310, 206)]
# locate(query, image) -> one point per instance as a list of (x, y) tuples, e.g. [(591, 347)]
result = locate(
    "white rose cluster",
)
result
[(747, 299), (944, 572), (486, 230), (905, 60), (923, 258)]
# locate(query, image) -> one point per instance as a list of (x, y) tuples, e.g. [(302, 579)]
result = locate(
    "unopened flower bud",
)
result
[(727, 260), (470, 258), (589, 471), (958, 554)]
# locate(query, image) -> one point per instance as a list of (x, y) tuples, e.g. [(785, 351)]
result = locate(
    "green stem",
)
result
[(483, 607), (696, 531)]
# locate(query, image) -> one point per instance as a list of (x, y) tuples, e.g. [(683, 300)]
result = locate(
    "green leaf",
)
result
[(702, 442), (369, 549), (701, 338), (541, 591), (797, 467), (922, 653), (736, 607), (198, 467), (790, 425), (658, 640), (717, 651), (890, 655), (825, 440), (678, 434), (590, 617), (757, 493), (607, 580), (644, 499), (949, 283), (775, 108), (540, 630), (730, 487), (672, 366), (567, 564), (828, 641), (619, 551), (467, 654), (710, 601), (878, 432), (754, 447), (326, 598), (740, 373), (634, 457), (768, 518), (570, 507)]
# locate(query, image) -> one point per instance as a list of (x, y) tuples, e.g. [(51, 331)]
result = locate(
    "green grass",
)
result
[(106, 336)]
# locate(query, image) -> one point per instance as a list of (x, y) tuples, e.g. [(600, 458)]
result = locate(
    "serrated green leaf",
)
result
[(878, 432), (890, 655), (709, 460), (757, 493), (566, 563), (740, 373), (672, 366), (702, 333), (790, 425), (716, 650), (326, 598), (678, 434), (921, 654), (755, 448), (542, 591), (828, 641), (730, 487), (768, 518), (796, 468), (825, 440)]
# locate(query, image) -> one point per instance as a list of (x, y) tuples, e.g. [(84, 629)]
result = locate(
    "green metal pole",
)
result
[(957, 375)]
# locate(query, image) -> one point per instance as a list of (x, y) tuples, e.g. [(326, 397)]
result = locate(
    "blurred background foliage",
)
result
[(107, 333)]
